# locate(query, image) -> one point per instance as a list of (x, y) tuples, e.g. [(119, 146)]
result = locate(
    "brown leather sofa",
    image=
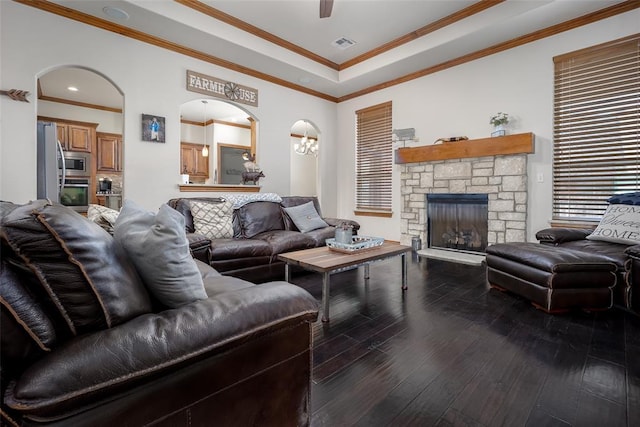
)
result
[(567, 270), (262, 230), (83, 343)]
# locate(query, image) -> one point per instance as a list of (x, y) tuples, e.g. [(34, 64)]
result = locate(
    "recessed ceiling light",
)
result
[(115, 13), (72, 88)]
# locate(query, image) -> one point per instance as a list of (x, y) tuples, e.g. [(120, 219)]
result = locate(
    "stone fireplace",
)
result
[(503, 178)]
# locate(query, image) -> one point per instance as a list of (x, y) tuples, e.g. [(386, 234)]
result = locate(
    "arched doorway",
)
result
[(305, 146), (87, 109)]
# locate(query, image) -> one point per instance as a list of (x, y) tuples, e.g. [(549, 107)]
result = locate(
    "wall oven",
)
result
[(74, 193), (74, 163)]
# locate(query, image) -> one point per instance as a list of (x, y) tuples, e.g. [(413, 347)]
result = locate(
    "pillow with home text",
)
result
[(620, 224)]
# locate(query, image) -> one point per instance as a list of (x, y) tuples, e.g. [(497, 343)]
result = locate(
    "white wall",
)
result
[(460, 101), (153, 82)]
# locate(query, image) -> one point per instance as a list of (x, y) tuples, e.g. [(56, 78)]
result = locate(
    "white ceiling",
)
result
[(370, 23)]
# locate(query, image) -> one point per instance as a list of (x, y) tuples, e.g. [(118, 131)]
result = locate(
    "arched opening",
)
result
[(213, 136), (87, 110), (305, 147)]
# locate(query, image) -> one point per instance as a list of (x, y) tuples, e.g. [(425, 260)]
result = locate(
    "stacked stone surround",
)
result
[(502, 178)]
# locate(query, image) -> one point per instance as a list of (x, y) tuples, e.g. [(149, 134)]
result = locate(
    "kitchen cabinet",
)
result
[(73, 135), (192, 161), (108, 152)]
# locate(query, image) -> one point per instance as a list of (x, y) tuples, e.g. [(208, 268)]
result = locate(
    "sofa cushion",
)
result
[(212, 220), (305, 217), (321, 235), (282, 241), (620, 224), (84, 272), (238, 248), (258, 217), (158, 246), (222, 284)]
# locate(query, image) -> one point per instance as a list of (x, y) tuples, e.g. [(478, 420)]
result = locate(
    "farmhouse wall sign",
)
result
[(209, 85)]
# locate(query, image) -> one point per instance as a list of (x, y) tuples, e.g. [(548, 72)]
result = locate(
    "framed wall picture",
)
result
[(152, 128)]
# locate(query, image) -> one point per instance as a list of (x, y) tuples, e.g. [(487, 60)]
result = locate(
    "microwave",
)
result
[(74, 163)]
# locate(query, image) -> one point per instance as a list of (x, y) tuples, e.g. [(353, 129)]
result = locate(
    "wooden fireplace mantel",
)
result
[(521, 143)]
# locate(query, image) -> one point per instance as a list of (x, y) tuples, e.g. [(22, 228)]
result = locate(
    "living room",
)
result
[(456, 101)]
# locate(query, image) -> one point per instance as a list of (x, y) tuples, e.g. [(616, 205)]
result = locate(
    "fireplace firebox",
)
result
[(457, 222)]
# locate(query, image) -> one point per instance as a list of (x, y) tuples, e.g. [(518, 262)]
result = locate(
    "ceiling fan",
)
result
[(325, 8)]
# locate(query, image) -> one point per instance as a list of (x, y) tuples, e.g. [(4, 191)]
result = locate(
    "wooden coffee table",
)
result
[(324, 260)]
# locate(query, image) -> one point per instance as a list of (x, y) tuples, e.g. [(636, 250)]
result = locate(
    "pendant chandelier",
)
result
[(205, 149), (306, 146)]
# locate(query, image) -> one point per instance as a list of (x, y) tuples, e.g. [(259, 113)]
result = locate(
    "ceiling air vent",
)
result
[(343, 43)]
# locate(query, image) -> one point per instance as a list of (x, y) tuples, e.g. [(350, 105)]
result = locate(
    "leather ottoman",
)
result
[(554, 279)]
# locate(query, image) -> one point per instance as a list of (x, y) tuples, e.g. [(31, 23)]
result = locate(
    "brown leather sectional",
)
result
[(78, 351), (262, 230)]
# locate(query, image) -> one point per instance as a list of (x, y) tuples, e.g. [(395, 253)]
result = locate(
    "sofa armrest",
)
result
[(633, 251), (101, 365), (337, 221), (200, 246), (558, 235)]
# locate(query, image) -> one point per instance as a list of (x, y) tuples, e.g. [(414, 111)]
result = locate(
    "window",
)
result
[(596, 128), (374, 160)]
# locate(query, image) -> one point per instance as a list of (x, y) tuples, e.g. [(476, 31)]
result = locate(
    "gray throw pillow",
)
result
[(158, 247), (305, 217)]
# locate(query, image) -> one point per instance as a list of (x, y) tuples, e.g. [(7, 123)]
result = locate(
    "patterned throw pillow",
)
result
[(103, 216), (213, 220)]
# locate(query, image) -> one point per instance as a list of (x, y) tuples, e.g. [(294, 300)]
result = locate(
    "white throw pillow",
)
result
[(213, 220), (305, 217), (103, 216), (620, 224), (158, 247)]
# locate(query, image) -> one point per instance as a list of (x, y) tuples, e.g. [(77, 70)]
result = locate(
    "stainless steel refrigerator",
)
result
[(49, 156)]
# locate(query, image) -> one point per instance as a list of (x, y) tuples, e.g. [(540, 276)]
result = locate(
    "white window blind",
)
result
[(596, 128), (374, 158)]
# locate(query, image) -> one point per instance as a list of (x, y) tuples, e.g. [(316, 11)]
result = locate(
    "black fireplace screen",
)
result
[(457, 221)]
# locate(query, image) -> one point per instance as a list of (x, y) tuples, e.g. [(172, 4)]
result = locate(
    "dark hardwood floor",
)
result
[(451, 352)]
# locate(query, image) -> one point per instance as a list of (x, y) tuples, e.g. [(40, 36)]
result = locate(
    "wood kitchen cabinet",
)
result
[(73, 135), (108, 152), (193, 162)]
